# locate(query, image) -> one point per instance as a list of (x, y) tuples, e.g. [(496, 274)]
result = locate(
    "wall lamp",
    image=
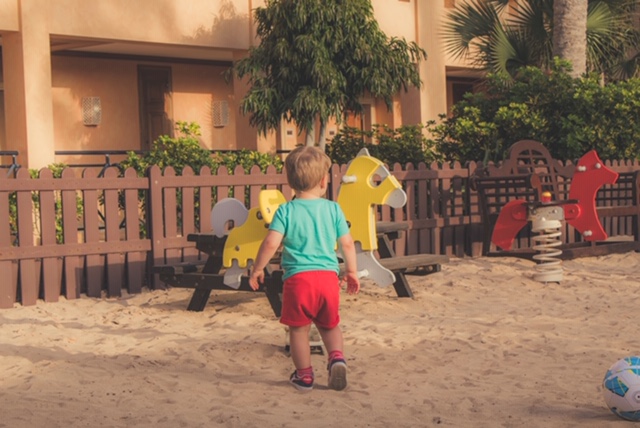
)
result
[(91, 111), (220, 113)]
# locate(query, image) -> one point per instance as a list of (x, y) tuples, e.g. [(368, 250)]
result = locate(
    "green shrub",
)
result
[(185, 150), (247, 159), (175, 152), (569, 116), (403, 145)]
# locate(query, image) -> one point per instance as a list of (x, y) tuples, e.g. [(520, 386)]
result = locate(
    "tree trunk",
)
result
[(322, 140), (310, 138), (570, 33)]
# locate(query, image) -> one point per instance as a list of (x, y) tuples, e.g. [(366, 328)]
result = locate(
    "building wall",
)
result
[(196, 39), (27, 86), (3, 142), (2, 128), (115, 82), (9, 15), (433, 96), (194, 88), (397, 17), (207, 23)]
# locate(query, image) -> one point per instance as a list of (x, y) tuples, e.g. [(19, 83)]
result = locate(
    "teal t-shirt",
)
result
[(311, 228)]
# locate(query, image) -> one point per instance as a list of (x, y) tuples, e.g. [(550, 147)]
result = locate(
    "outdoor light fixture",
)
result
[(91, 111), (220, 114)]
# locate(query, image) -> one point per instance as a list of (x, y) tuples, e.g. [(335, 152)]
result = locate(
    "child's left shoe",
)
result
[(338, 374), (301, 383)]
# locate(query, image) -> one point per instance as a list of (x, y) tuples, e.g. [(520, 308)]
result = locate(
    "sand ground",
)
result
[(480, 345)]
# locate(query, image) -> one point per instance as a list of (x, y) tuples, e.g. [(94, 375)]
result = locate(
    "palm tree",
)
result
[(570, 33), (501, 38)]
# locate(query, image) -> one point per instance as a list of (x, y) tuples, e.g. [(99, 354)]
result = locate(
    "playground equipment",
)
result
[(244, 239), (250, 227), (238, 232), (546, 216), (358, 185)]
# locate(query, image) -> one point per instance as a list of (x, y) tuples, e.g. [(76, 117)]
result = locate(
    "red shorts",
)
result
[(311, 297)]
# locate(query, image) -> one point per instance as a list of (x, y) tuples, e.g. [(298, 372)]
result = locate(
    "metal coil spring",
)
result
[(549, 267)]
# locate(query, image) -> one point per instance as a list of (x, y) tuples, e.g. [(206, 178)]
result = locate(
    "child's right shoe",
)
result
[(338, 374), (302, 383)]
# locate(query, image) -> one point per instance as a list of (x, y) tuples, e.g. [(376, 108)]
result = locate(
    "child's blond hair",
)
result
[(305, 167)]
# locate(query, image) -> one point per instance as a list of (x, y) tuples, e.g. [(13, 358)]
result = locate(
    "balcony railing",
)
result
[(14, 165)]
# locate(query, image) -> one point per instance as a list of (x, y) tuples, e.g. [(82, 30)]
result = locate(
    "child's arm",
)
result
[(351, 269), (266, 252)]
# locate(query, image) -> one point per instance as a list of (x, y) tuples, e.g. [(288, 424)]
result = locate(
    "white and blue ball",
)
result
[(621, 388)]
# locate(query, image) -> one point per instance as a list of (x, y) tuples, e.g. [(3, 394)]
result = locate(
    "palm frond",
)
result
[(469, 24), (511, 51), (626, 69), (610, 34), (482, 32)]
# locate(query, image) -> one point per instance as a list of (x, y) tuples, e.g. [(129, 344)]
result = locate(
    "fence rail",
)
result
[(100, 234)]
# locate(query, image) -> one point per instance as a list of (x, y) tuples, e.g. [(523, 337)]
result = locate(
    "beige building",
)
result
[(112, 75)]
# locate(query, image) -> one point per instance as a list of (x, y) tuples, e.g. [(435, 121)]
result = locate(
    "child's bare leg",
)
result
[(299, 346), (337, 366), (332, 338)]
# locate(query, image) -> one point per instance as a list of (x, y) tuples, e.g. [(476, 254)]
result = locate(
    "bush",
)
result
[(175, 152), (247, 159), (569, 116), (186, 151), (406, 144)]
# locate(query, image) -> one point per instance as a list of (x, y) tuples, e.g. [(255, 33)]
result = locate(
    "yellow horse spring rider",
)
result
[(358, 196)]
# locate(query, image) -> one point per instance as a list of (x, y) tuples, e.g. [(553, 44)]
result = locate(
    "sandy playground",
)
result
[(480, 345)]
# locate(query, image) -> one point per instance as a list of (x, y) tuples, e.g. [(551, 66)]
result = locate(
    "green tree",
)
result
[(315, 61), (570, 116), (500, 37), (401, 145)]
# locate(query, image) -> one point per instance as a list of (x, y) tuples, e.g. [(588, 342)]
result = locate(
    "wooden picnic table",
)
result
[(204, 278), (208, 277)]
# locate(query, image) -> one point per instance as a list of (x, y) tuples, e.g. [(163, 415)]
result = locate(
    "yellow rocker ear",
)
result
[(268, 201)]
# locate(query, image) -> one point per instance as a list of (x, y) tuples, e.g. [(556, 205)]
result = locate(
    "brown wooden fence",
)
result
[(92, 234)]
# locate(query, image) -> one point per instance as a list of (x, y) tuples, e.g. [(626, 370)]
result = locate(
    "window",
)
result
[(459, 89)]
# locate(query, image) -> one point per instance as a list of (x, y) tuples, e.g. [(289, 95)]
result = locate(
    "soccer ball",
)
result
[(621, 387)]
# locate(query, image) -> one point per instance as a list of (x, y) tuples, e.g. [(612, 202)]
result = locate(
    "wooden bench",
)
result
[(417, 264), (530, 170)]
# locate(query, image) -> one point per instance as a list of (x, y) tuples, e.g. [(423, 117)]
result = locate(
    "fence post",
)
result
[(72, 264), (155, 223), (9, 283), (29, 281)]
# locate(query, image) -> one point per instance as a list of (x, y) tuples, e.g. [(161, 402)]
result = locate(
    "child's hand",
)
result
[(256, 278), (353, 283)]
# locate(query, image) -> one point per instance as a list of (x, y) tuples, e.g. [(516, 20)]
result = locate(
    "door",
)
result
[(154, 88)]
